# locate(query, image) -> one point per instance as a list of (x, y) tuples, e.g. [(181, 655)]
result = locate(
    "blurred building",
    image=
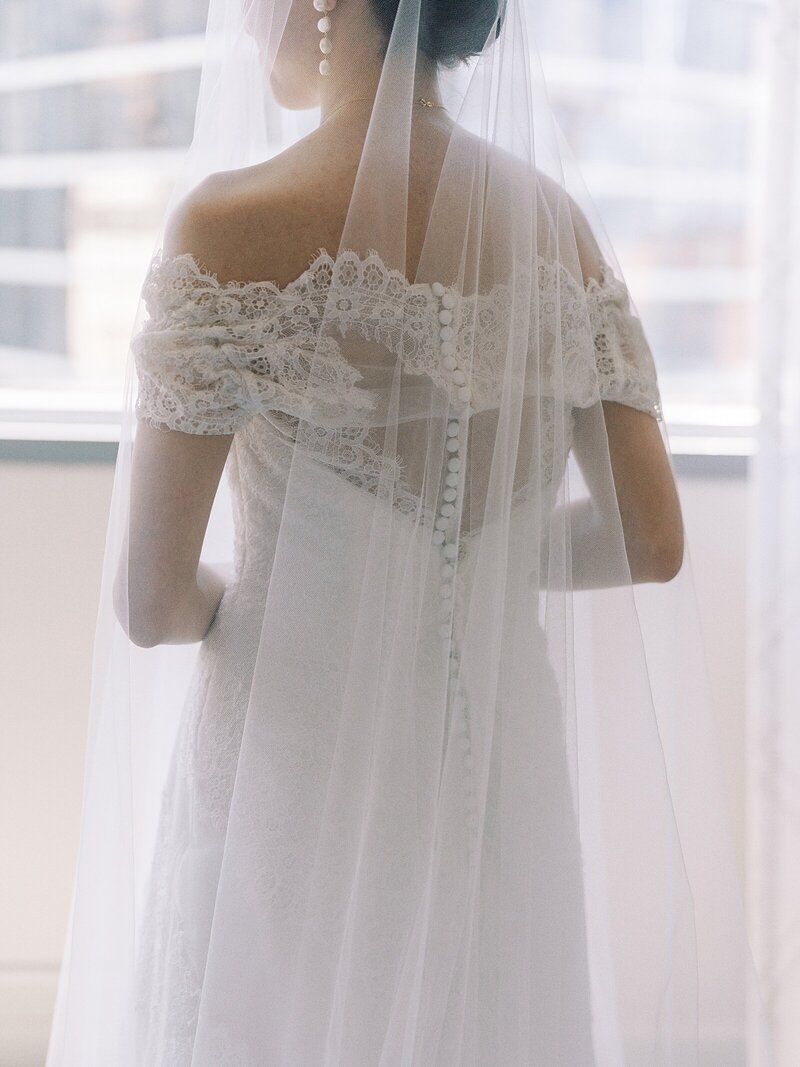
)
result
[(96, 102), (661, 103)]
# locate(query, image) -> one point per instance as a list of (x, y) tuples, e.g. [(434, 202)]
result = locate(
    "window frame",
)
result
[(66, 417)]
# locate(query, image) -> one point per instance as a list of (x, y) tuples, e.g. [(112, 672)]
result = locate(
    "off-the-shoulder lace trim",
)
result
[(349, 266), (623, 360), (215, 353), (381, 304)]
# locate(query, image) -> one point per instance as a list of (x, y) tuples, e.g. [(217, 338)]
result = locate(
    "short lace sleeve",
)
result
[(624, 362), (211, 356)]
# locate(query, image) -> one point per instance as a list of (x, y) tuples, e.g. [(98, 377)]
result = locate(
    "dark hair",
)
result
[(450, 31)]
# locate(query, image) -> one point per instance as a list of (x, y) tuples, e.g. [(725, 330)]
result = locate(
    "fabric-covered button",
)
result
[(447, 543)]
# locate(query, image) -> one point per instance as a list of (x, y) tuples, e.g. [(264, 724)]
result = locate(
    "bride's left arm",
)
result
[(643, 496), (644, 499)]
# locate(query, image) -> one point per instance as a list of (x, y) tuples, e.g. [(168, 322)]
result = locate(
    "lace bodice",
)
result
[(212, 356)]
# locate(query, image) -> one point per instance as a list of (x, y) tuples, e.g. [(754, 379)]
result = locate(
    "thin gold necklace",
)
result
[(355, 99)]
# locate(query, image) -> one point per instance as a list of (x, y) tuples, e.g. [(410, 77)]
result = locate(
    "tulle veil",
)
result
[(458, 800)]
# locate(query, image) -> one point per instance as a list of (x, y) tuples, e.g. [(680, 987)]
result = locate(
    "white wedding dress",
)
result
[(230, 358)]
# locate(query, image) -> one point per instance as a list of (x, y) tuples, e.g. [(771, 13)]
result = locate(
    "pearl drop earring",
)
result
[(324, 25)]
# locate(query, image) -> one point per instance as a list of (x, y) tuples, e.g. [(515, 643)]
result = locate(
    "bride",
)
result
[(400, 748)]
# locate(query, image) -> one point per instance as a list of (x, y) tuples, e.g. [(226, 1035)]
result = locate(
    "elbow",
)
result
[(142, 630), (656, 552), (147, 626), (145, 635), (665, 557), (144, 624)]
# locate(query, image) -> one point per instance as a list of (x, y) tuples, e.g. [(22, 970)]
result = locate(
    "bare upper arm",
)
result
[(174, 480), (645, 489), (564, 224)]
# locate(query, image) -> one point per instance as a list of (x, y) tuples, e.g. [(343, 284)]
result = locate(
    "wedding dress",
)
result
[(440, 785), (289, 866)]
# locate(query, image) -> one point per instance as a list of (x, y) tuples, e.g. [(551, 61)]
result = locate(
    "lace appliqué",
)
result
[(623, 359), (212, 355), (168, 983)]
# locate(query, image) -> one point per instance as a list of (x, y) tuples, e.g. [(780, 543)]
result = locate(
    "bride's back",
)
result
[(266, 222)]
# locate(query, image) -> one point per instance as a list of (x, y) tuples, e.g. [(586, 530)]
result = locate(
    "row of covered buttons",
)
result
[(443, 536)]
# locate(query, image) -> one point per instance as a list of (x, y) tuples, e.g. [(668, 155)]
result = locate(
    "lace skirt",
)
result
[(253, 906)]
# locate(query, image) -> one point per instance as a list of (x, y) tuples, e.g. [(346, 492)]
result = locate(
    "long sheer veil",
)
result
[(457, 801)]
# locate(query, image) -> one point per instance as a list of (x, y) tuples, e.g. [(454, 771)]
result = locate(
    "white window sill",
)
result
[(703, 441)]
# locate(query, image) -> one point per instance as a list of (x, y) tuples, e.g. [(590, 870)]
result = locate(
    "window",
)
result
[(661, 103), (96, 104)]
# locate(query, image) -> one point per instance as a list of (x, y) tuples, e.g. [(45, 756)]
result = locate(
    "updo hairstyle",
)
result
[(450, 31)]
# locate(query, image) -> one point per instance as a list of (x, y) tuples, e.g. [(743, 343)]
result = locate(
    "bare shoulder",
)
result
[(555, 205), (560, 223), (252, 224)]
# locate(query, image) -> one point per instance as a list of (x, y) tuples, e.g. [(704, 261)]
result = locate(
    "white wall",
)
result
[(52, 530)]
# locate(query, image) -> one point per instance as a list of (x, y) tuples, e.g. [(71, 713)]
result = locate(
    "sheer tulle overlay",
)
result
[(439, 786)]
